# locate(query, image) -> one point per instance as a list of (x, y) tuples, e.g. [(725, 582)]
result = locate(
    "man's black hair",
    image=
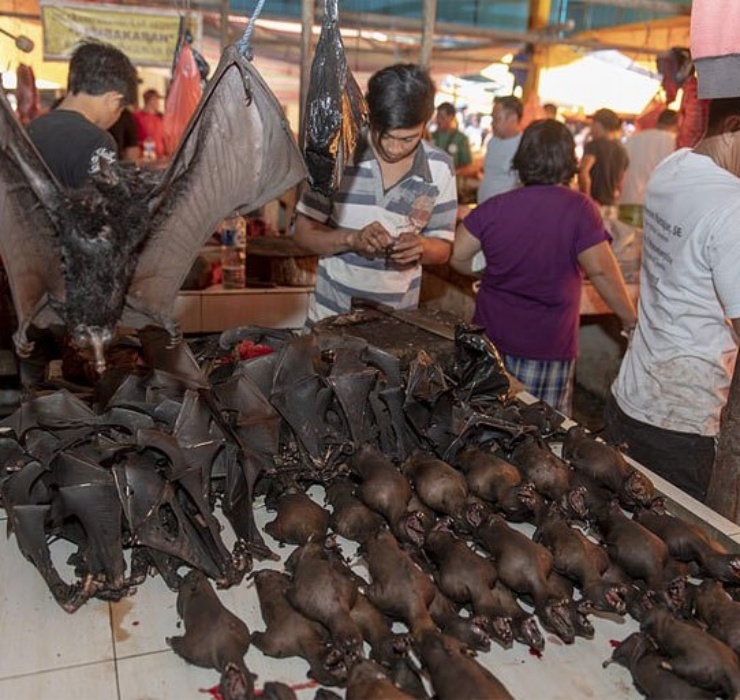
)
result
[(511, 103), (667, 118), (720, 111), (447, 108), (400, 97), (546, 154), (96, 68)]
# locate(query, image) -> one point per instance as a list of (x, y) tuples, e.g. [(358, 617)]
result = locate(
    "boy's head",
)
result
[(400, 97), (102, 71)]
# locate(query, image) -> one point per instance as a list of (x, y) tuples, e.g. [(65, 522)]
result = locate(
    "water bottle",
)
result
[(234, 252), (149, 152)]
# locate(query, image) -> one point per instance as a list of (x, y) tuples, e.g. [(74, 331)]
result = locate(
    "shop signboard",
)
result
[(148, 36)]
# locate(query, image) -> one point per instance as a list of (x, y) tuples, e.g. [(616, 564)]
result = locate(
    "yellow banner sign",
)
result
[(148, 36)]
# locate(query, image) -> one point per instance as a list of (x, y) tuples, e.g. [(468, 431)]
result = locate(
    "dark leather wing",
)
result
[(30, 196), (237, 153)]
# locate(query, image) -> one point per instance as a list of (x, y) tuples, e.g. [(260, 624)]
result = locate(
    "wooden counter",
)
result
[(215, 309)]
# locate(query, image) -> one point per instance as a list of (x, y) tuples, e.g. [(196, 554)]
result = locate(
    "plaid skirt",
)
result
[(550, 381)]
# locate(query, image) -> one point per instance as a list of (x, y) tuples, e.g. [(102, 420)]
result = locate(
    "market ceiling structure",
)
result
[(468, 34)]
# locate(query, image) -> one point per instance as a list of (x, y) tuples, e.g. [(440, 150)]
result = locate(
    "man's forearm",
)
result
[(436, 251), (322, 239)]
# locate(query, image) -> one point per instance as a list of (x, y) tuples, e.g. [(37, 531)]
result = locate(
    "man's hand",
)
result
[(407, 249), (370, 241)]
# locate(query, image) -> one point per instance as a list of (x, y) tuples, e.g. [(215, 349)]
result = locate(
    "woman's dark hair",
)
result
[(96, 68), (400, 97), (546, 154)]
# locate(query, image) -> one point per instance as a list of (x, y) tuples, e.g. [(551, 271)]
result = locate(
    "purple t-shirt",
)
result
[(530, 294)]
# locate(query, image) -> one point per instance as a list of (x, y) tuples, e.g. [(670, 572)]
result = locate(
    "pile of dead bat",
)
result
[(438, 555), (143, 461), (425, 469)]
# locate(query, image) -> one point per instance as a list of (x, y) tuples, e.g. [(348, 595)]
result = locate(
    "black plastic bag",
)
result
[(335, 109), (479, 368)]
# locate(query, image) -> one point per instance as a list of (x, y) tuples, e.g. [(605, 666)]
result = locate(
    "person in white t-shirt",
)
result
[(498, 175), (675, 376), (645, 149)]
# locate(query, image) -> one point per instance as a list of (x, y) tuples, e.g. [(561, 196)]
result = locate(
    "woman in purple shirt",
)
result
[(538, 241)]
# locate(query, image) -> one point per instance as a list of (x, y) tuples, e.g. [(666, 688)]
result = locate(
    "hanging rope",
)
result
[(243, 44)]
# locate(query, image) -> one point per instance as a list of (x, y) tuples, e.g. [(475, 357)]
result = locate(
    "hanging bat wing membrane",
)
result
[(237, 154), (30, 198)]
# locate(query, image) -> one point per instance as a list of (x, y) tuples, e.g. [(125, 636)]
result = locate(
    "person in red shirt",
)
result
[(149, 126)]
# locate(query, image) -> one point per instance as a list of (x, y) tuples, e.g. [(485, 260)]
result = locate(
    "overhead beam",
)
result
[(486, 35), (662, 6)]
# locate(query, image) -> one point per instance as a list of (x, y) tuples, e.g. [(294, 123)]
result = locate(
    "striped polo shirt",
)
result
[(425, 198)]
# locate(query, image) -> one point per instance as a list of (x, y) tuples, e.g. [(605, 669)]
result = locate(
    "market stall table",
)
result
[(214, 309)]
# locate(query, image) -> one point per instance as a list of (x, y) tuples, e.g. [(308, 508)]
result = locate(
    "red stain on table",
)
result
[(214, 692)]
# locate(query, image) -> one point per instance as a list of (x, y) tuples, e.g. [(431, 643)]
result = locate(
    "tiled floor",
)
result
[(118, 651)]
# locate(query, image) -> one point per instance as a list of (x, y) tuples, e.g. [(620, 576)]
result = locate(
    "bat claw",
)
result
[(23, 346), (174, 341)]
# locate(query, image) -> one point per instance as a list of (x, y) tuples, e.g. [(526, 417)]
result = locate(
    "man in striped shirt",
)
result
[(395, 207)]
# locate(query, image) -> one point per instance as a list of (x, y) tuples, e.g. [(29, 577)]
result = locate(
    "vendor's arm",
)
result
[(584, 173), (602, 269), (465, 248), (322, 239)]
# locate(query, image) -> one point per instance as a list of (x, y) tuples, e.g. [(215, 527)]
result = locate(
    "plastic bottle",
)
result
[(149, 152), (234, 252)]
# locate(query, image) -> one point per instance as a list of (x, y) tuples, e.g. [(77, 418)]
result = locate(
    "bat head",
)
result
[(94, 339)]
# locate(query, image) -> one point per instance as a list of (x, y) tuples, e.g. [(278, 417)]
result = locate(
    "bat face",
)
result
[(94, 339)]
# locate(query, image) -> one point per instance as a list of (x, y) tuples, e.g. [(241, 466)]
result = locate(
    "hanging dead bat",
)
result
[(118, 250), (336, 110)]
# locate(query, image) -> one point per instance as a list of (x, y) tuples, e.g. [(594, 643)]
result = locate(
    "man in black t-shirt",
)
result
[(604, 159), (126, 138), (73, 138)]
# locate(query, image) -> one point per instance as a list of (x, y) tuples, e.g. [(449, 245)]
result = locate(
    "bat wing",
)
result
[(237, 154), (30, 199)]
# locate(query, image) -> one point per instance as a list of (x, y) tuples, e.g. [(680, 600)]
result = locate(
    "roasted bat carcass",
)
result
[(324, 594), (719, 612), (214, 637), (687, 542), (524, 566), (639, 655), (368, 680), (454, 674), (118, 250), (607, 466), (290, 633), (580, 560), (399, 587), (693, 654), (299, 520), (350, 517), (467, 578)]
